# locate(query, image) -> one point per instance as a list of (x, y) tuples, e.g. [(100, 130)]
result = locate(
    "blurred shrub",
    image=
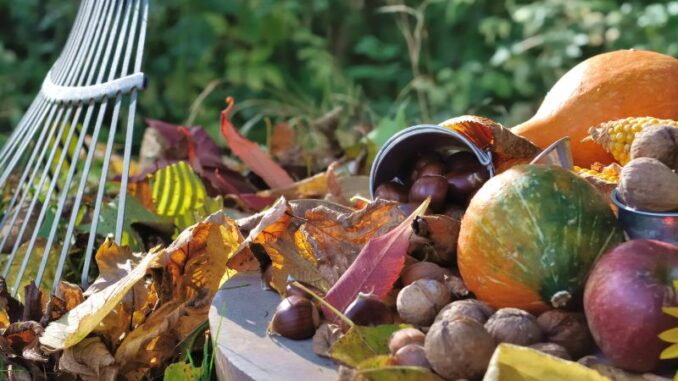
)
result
[(289, 59)]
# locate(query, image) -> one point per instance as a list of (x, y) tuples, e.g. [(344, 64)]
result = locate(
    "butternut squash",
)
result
[(609, 86)]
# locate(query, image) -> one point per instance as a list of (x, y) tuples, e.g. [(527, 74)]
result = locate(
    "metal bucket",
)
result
[(399, 153), (646, 225)]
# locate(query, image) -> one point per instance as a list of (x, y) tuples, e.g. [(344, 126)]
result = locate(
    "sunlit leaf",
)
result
[(361, 343), (179, 194), (181, 371), (511, 362)]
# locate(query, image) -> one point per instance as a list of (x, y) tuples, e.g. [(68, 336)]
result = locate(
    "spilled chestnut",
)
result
[(462, 161), (429, 159), (464, 184), (434, 168), (295, 318), (392, 191), (366, 309), (292, 289), (430, 186)]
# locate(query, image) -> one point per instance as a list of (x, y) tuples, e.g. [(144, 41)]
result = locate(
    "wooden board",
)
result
[(238, 319)]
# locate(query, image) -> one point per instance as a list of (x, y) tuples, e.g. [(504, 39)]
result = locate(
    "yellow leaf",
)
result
[(669, 353), (178, 193), (673, 311), (675, 284), (314, 186), (74, 326), (514, 363), (181, 371)]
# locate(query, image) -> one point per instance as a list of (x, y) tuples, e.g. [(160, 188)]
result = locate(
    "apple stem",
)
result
[(560, 299)]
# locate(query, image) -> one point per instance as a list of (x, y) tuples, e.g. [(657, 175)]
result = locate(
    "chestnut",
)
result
[(461, 161), (366, 309), (392, 191), (430, 186), (423, 161), (434, 168), (462, 185), (295, 318)]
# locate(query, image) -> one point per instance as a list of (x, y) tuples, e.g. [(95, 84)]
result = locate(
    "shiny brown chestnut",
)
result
[(434, 168), (462, 161), (424, 160), (430, 186), (392, 191), (462, 185), (295, 318), (366, 309)]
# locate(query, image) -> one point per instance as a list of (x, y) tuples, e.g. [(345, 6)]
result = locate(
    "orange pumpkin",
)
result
[(605, 87)]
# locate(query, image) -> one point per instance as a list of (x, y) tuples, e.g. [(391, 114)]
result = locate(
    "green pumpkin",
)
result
[(531, 235)]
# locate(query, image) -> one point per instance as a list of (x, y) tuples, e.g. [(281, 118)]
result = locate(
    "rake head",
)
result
[(87, 99)]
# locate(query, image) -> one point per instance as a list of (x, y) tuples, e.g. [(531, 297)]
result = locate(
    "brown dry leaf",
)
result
[(435, 239), (70, 293), (33, 302), (312, 187), (89, 360), (336, 238), (280, 242), (283, 146), (12, 308), (155, 340), (114, 263), (325, 336), (192, 268), (22, 338), (71, 328)]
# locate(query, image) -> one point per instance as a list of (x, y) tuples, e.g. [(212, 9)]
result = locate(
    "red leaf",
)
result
[(251, 154), (376, 268)]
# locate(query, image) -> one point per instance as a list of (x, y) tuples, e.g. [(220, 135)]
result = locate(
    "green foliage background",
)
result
[(290, 59)]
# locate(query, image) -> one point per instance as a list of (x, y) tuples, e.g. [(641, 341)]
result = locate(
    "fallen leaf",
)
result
[(379, 361), (439, 235), (251, 154), (21, 338), (335, 238), (511, 362), (181, 371), (13, 308), (115, 263), (312, 187), (70, 293), (323, 339), (397, 373), (71, 328), (89, 360), (376, 268), (32, 303), (361, 343), (179, 195)]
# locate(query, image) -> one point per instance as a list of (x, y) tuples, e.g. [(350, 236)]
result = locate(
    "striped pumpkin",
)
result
[(530, 237)]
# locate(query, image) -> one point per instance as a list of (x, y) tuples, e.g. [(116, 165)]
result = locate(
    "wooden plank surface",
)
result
[(238, 319)]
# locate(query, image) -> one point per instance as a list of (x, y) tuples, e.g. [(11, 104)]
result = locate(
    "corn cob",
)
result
[(616, 136), (604, 178)]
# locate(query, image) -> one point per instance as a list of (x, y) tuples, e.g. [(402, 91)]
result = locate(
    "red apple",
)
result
[(623, 302)]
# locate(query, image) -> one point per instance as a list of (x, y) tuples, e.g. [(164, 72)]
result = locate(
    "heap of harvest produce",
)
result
[(511, 276)]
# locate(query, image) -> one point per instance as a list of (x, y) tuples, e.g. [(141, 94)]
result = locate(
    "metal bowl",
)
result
[(402, 149), (648, 225)]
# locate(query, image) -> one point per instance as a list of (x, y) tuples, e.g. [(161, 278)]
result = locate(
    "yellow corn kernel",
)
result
[(616, 136)]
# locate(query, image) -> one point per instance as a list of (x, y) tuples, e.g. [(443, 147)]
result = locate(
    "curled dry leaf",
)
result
[(71, 328), (114, 263), (21, 339), (12, 308), (439, 243), (507, 148), (312, 187), (325, 336), (90, 360)]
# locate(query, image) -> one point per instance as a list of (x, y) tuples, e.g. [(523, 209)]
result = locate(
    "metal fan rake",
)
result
[(87, 98)]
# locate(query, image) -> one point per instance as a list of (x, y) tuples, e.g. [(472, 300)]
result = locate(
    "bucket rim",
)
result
[(484, 156)]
